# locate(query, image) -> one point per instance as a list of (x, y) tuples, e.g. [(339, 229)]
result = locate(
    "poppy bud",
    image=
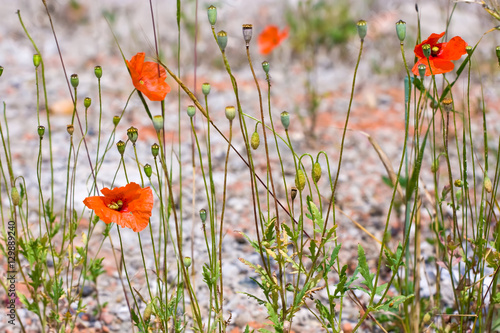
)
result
[(427, 318), (300, 180), (401, 30), (74, 80), (426, 49), (37, 59), (290, 287), (132, 134), (155, 149), (98, 71), (205, 88), (41, 131), (222, 40), (255, 140), (230, 112), (487, 184), (458, 183), (435, 166), (191, 111), (203, 215), (247, 33), (148, 311), (362, 29), (148, 170), (16, 198), (121, 147), (448, 104), (158, 123), (316, 172), (421, 70), (285, 120), (212, 15), (87, 101), (187, 261), (293, 192), (70, 129), (116, 120), (1, 70), (265, 66)]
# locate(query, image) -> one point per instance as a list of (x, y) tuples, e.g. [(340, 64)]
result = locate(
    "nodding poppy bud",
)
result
[(148, 170), (116, 120), (421, 70), (265, 66), (16, 198), (222, 40), (158, 123), (285, 120), (212, 15), (230, 112), (300, 180), (316, 172), (247, 33), (255, 140), (488, 186), (132, 134), (426, 49), (37, 59), (155, 149), (87, 101), (121, 147), (74, 80), (147, 312), (293, 192), (362, 29), (205, 88), (203, 215), (191, 111), (448, 104), (98, 71), (187, 261), (41, 131), (458, 183), (401, 30), (70, 129), (435, 166)]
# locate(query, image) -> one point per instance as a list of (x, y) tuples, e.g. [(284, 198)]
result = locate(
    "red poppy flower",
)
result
[(147, 79), (270, 38), (128, 206), (441, 54)]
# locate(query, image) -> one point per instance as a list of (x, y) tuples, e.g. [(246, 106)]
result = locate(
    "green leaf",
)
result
[(364, 269), (315, 215), (392, 260), (391, 303)]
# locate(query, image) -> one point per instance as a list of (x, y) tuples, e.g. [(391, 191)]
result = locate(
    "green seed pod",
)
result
[(316, 172), (188, 261), (155, 149), (132, 134), (230, 112), (148, 170), (265, 67), (116, 120), (212, 15), (37, 59), (16, 198), (426, 49), (147, 312), (205, 88), (74, 80), (191, 111), (293, 192), (222, 40), (87, 101), (158, 123), (458, 183), (255, 140), (488, 186), (362, 29), (121, 147), (247, 33), (203, 215), (285, 120), (421, 70), (300, 180), (98, 71), (401, 30), (70, 129), (468, 49), (447, 104), (41, 131)]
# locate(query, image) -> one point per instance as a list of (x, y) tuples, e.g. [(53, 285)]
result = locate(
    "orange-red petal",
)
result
[(454, 49), (148, 77), (432, 40), (271, 37)]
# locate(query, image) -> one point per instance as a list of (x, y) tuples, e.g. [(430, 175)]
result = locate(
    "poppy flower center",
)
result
[(434, 51), (116, 205)]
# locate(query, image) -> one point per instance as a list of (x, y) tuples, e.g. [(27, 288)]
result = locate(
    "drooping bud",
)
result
[(435, 166), (300, 180), (401, 30), (293, 192), (158, 123), (116, 120), (222, 40), (230, 112), (247, 33), (205, 88), (74, 80), (421, 70), (98, 71), (41, 131), (255, 140), (265, 67), (132, 134), (155, 149), (362, 29), (120, 145), (488, 186), (147, 312), (448, 104), (316, 172), (191, 111), (37, 59), (203, 215), (426, 49), (212, 15), (458, 183), (87, 101), (70, 129), (148, 170), (16, 198), (285, 119), (187, 261), (290, 287)]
